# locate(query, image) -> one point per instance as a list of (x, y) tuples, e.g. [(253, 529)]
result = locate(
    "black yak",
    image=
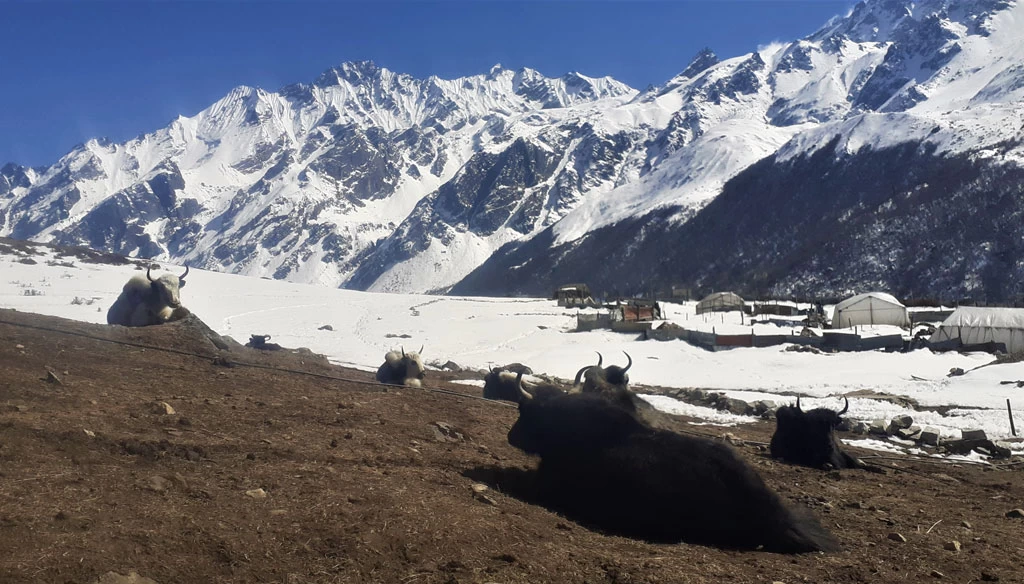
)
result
[(602, 466), (808, 438), (504, 383), (401, 368), (611, 382)]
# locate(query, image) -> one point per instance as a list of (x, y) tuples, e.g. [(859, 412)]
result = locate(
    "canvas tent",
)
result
[(971, 325), (720, 302), (870, 308)]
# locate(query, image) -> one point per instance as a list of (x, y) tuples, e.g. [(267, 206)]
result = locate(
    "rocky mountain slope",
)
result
[(766, 171)]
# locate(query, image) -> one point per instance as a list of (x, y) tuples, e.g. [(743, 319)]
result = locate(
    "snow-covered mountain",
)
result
[(512, 181)]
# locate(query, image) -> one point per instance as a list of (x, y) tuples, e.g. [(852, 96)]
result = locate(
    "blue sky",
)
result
[(74, 71)]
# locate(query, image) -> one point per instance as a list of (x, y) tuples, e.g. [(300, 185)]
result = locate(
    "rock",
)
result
[(764, 406), (256, 494), (326, 327), (163, 408), (445, 432), (929, 436), (89, 433), (965, 524), (986, 447), (878, 428), (157, 484), (897, 537), (479, 488), (911, 433), (485, 499), (860, 428), (989, 577), (736, 406), (278, 512), (973, 435), (899, 423), (956, 372), (953, 546), (452, 366), (132, 578), (937, 574), (334, 443), (1015, 513), (19, 347), (51, 377)]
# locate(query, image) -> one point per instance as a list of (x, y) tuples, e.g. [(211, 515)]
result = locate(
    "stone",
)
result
[(19, 347), (163, 408), (326, 327), (157, 484), (1015, 513), (452, 366), (51, 377), (878, 428), (764, 406), (929, 436), (133, 577), (860, 428), (899, 423), (278, 512), (911, 433), (953, 546), (973, 435), (965, 524), (956, 372), (256, 494), (737, 406), (89, 433), (937, 574), (479, 488), (897, 537), (989, 577)]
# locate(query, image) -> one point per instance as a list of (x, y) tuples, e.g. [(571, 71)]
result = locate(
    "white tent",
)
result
[(976, 326), (720, 302), (870, 308)]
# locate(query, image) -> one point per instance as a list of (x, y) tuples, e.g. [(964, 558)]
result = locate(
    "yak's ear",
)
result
[(181, 283)]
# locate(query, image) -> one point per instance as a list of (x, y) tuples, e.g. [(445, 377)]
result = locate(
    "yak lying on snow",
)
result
[(808, 438), (145, 301), (401, 368), (602, 466)]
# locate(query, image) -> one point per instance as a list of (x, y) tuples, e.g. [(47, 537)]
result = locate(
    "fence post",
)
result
[(1010, 413)]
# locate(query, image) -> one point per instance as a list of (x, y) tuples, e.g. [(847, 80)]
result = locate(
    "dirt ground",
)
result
[(262, 475)]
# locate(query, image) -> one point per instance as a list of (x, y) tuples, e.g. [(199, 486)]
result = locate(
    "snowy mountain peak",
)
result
[(702, 61), (373, 179)]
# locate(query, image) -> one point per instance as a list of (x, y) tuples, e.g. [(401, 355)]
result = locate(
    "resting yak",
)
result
[(144, 301), (401, 368), (602, 466), (808, 438)]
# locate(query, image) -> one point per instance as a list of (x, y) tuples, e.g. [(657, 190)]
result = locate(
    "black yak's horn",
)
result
[(600, 359), (798, 404), (519, 383), (185, 274), (628, 365), (579, 374), (403, 350), (421, 349), (846, 407), (147, 273)]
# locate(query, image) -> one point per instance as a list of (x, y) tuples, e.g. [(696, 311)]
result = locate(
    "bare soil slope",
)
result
[(263, 475)]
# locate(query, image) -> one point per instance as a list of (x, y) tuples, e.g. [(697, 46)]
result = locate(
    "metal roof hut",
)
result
[(573, 295), (973, 326), (870, 308), (720, 302)]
